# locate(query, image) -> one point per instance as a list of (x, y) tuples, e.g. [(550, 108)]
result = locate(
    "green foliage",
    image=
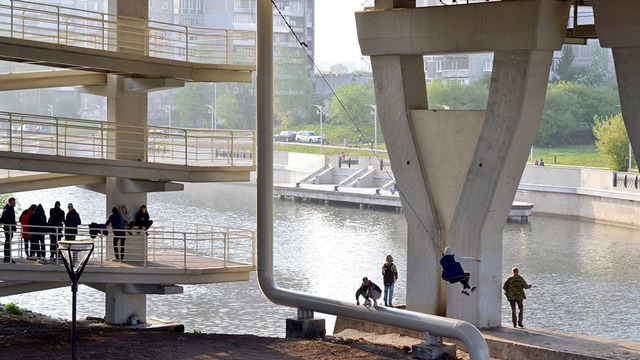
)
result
[(197, 332), (292, 87), (237, 106), (190, 102), (451, 95), (572, 155), (357, 100), (569, 112), (612, 141), (12, 308), (565, 70)]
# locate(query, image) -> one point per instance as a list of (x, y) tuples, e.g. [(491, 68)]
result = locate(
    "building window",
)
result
[(488, 65), (439, 65)]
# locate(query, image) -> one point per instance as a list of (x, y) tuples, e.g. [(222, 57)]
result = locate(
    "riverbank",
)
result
[(36, 336)]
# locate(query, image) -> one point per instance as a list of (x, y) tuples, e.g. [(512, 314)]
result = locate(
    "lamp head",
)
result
[(75, 255)]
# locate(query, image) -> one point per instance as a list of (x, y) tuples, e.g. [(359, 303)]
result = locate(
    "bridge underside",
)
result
[(458, 170)]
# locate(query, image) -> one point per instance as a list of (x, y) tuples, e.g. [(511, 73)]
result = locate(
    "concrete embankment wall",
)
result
[(582, 193)]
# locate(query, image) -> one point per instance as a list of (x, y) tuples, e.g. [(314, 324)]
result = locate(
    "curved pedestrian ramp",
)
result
[(77, 39), (98, 148), (171, 254)]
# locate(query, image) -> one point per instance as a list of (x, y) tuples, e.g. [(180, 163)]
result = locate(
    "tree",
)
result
[(612, 141), (339, 69), (356, 100), (600, 72), (565, 70), (237, 105), (292, 87), (449, 94), (191, 101), (569, 112)]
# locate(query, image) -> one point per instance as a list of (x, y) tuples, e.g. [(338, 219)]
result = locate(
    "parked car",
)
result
[(308, 137), (286, 136)]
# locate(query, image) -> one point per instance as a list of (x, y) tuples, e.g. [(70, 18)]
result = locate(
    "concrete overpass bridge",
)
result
[(122, 55)]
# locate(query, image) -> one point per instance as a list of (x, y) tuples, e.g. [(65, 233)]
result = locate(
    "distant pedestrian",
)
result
[(142, 220), (514, 291), (536, 163), (8, 219), (56, 223), (24, 223), (368, 290), (115, 220), (71, 223), (389, 276), (38, 227), (394, 189), (541, 162), (452, 270)]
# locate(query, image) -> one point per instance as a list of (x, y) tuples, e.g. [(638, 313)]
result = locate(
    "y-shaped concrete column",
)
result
[(618, 27)]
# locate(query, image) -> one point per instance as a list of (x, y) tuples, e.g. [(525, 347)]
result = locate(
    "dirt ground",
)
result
[(33, 336)]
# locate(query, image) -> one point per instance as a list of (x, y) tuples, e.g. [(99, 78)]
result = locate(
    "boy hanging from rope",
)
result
[(452, 270)]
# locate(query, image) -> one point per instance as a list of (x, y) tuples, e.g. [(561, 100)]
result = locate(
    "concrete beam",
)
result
[(48, 79), (54, 55), (46, 181), (480, 27), (124, 168), (131, 186), (8, 288), (149, 85), (98, 90), (617, 22)]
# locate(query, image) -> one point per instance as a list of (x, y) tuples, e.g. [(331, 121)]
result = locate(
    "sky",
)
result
[(335, 27)]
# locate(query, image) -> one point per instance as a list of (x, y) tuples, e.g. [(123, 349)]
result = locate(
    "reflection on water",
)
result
[(583, 272)]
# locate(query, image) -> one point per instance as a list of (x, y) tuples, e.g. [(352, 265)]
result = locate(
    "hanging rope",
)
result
[(304, 47)]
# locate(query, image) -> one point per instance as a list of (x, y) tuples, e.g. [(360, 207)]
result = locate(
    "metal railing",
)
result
[(94, 30), (181, 245), (46, 135)]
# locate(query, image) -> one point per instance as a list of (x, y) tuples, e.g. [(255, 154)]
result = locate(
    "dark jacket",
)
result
[(56, 218), (72, 220), (141, 218), (38, 224), (365, 290), (451, 269), (9, 216), (115, 220)]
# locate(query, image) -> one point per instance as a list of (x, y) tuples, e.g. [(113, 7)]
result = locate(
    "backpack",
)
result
[(388, 277)]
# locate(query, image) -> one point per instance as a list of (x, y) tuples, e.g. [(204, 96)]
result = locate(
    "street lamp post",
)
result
[(169, 109), (75, 255), (213, 117), (374, 112), (320, 111)]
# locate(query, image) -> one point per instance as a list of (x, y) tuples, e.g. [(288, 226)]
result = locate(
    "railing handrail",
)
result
[(75, 27), (75, 137), (159, 240)]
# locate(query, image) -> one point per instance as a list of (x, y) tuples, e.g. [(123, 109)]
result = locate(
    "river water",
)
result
[(585, 274)]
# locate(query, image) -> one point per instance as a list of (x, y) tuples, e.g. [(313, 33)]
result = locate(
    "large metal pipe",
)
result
[(436, 325)]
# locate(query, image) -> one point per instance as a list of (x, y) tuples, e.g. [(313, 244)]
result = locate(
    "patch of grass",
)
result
[(329, 151), (12, 308), (576, 155), (197, 332)]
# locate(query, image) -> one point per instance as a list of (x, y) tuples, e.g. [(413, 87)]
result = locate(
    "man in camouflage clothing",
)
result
[(514, 290)]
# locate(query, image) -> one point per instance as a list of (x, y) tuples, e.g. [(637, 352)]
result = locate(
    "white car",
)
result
[(308, 137)]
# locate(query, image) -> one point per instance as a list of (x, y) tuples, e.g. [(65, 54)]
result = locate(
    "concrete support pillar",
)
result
[(127, 113), (618, 27), (120, 305), (400, 85), (514, 110)]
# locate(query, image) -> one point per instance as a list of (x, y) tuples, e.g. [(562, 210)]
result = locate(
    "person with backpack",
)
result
[(389, 277), (117, 224), (8, 220)]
